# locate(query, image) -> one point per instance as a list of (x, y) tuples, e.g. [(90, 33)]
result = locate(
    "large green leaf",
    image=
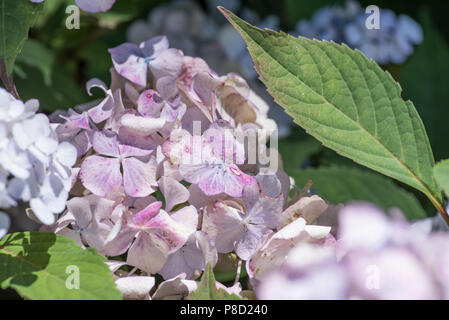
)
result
[(34, 54), (345, 101), (38, 265), (207, 289), (441, 173), (16, 18), (339, 184)]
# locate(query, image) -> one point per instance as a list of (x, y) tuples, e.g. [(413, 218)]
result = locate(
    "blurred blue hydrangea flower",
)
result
[(391, 43)]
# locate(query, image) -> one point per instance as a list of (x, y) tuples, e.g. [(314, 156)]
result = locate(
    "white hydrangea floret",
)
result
[(34, 166)]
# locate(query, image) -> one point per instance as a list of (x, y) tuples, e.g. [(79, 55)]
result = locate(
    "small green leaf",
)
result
[(36, 55), (207, 289), (16, 19), (345, 101), (342, 185), (38, 266), (441, 174)]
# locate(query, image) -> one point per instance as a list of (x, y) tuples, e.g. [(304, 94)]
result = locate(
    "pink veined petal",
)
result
[(134, 145), (148, 253), (223, 224), (236, 180), (166, 228), (167, 63), (139, 177), (198, 199), (150, 104), (213, 181), (173, 191), (104, 110), (142, 217), (251, 240), (100, 175), (134, 69), (106, 142), (187, 217)]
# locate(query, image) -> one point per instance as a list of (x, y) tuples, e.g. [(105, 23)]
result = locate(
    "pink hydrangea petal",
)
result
[(148, 252), (199, 199), (144, 216), (129, 62), (153, 47), (223, 224), (187, 217), (236, 180), (173, 191), (251, 240), (100, 175), (79, 208), (135, 145), (150, 104), (139, 177), (106, 142), (165, 227), (167, 63)]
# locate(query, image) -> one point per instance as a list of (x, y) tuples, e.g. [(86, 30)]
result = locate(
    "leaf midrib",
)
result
[(430, 193)]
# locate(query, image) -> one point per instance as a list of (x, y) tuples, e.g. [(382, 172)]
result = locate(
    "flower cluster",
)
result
[(173, 170), (374, 257), (392, 42), (35, 166)]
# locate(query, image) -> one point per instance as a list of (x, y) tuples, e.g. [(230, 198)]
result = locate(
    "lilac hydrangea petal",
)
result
[(106, 142), (153, 47), (142, 217), (251, 240), (173, 191), (150, 104), (42, 212), (176, 288), (309, 208), (173, 233), (148, 252), (100, 175), (236, 180), (223, 224), (167, 63), (95, 5), (135, 287), (140, 125), (80, 209), (139, 177), (129, 62)]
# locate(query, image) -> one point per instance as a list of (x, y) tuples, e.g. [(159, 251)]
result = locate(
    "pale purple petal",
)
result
[(129, 62), (251, 240), (100, 175), (174, 192), (167, 63), (142, 217), (148, 252), (95, 5), (106, 142), (223, 224), (139, 177), (135, 287), (150, 104), (154, 47)]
